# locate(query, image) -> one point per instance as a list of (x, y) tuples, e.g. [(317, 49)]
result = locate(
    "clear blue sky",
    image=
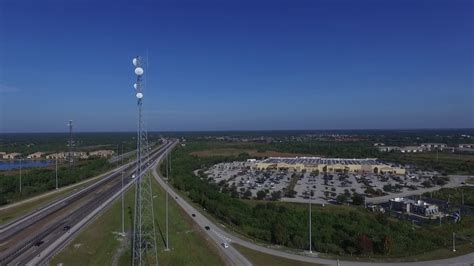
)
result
[(237, 65)]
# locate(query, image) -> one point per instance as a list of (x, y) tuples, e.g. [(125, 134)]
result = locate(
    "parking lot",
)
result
[(241, 177)]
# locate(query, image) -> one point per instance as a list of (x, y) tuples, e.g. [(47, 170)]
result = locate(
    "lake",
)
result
[(15, 164)]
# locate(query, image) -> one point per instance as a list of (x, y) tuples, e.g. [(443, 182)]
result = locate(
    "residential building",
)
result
[(433, 146), (101, 153), (469, 146), (388, 148), (35, 155), (379, 144), (411, 149), (11, 156)]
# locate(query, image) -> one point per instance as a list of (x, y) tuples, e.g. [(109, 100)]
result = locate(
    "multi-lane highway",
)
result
[(23, 240)]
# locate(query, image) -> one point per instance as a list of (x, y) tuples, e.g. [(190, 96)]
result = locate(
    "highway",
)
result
[(218, 235), (23, 239)]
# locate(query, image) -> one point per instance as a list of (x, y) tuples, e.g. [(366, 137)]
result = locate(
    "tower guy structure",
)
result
[(144, 237)]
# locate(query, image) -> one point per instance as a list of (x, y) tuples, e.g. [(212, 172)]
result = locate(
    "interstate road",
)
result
[(219, 235), (21, 241)]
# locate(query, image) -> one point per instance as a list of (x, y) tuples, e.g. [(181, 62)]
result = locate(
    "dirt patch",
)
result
[(252, 153)]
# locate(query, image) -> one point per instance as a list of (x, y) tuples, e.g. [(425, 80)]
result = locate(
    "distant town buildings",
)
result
[(101, 153), (328, 165), (414, 206)]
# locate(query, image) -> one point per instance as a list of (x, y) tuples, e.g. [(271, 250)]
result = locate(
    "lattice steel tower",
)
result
[(144, 237)]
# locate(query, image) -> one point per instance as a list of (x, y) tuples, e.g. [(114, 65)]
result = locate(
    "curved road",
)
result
[(220, 236)]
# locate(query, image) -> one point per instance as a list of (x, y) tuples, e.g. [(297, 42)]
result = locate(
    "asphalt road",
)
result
[(231, 255), (235, 258)]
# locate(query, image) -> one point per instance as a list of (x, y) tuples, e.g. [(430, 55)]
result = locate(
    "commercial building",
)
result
[(414, 206), (311, 164)]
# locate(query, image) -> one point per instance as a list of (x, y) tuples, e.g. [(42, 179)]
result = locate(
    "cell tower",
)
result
[(70, 144), (144, 237)]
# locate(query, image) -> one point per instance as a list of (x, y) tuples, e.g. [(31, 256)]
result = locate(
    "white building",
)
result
[(13, 155), (388, 148), (411, 149), (433, 146), (35, 155)]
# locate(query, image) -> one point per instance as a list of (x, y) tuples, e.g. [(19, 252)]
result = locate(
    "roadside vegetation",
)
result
[(263, 259), (101, 244), (454, 195), (339, 230), (37, 181)]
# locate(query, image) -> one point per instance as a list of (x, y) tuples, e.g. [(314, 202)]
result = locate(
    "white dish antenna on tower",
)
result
[(139, 71), (139, 95), (135, 85), (135, 61)]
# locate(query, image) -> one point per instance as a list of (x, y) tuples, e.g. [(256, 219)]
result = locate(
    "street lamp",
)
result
[(20, 172)]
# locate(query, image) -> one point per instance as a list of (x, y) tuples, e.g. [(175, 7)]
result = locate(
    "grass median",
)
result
[(101, 244)]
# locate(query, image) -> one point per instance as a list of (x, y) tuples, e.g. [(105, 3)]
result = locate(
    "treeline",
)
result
[(336, 229), (36, 181), (454, 195), (459, 165)]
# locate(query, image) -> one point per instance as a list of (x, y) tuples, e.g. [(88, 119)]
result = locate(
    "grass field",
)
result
[(9, 214), (251, 152), (263, 259), (99, 244)]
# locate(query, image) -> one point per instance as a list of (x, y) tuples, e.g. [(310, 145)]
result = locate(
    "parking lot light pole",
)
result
[(309, 224), (123, 214), (454, 242), (20, 173), (56, 173), (167, 178)]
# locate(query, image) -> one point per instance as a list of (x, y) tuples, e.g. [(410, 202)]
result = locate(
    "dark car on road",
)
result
[(207, 227)]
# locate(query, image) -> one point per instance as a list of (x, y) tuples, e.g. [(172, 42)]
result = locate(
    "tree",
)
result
[(376, 170), (364, 244), (247, 194), (387, 244), (279, 234), (261, 195), (276, 195), (357, 199), (341, 198)]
